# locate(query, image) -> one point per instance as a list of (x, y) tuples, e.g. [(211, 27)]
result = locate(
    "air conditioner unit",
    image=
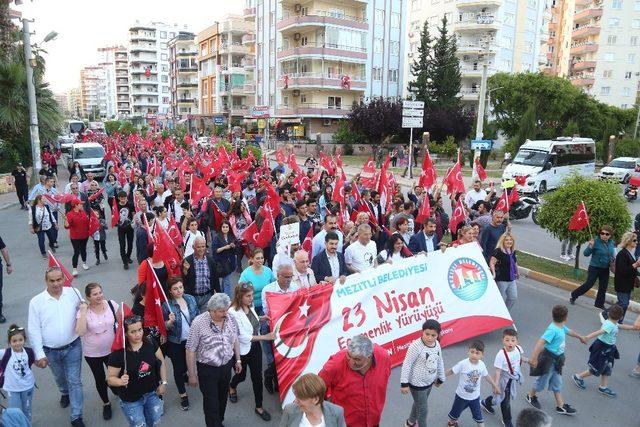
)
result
[(297, 7), (296, 92), (410, 35), (296, 36), (326, 122), (410, 55)]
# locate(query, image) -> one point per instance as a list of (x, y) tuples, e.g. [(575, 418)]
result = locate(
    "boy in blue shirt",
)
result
[(603, 351), (548, 358)]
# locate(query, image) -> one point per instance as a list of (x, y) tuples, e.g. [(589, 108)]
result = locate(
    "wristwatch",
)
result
[(163, 383), (238, 361)]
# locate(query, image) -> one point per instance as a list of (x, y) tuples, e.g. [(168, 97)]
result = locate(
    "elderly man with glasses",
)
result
[(357, 378), (213, 347)]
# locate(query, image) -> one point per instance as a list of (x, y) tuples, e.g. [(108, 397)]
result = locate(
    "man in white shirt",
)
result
[(476, 194), (282, 257), (52, 332), (84, 186), (361, 255), (330, 224), (303, 275)]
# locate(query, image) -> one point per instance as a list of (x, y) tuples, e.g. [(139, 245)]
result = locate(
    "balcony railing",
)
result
[(587, 14), (324, 49), (583, 65), (310, 109), (478, 3), (478, 20), (233, 48), (325, 80), (248, 39), (187, 84), (322, 17), (249, 12), (585, 31), (580, 48)]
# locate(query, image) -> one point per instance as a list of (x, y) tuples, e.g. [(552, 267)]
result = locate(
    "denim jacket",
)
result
[(601, 254), (175, 332)]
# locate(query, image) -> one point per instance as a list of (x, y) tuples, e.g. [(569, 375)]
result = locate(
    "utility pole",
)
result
[(481, 106), (33, 108), (635, 130)]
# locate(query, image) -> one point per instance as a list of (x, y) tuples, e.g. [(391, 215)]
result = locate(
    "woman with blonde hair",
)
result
[(309, 407), (504, 267), (625, 271)]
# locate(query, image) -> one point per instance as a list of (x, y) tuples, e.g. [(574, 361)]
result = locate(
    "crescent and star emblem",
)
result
[(285, 350)]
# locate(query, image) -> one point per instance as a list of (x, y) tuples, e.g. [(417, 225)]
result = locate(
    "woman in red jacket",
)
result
[(77, 221)]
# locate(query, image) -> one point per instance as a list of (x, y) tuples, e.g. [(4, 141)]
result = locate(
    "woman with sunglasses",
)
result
[(602, 252), (141, 375), (626, 272), (250, 352)]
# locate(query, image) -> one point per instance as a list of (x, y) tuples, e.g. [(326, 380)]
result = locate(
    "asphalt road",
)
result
[(531, 314)]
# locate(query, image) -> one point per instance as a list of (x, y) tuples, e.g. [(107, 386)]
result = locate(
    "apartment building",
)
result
[(559, 40), (107, 60), (123, 99), (93, 92), (183, 75), (316, 58), (63, 103), (507, 35), (149, 68), (74, 102), (226, 66)]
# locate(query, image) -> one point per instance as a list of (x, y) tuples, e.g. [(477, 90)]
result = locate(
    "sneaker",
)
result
[(601, 317), (44, 256), (126, 265), (579, 381), (106, 412), (487, 407), (507, 423), (74, 272), (104, 254), (572, 256), (97, 262), (566, 410), (408, 424), (634, 374), (2, 319), (452, 424), (607, 391), (564, 257), (572, 300), (64, 401), (85, 266), (77, 423), (533, 401), (184, 403)]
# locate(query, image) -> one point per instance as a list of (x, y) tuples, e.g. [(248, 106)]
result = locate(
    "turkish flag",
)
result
[(428, 175), (147, 72), (153, 299), (513, 195), (174, 231), (478, 170), (119, 339), (521, 180), (459, 215), (338, 191), (198, 189), (115, 212), (260, 238), (384, 189), (164, 249), (368, 174), (280, 157), (293, 164), (296, 319), (425, 210), (96, 194), (217, 215), (454, 181), (327, 163), (301, 182), (580, 218), (60, 197), (53, 262), (235, 180), (94, 222), (364, 207), (272, 199), (503, 203), (405, 250), (307, 243)]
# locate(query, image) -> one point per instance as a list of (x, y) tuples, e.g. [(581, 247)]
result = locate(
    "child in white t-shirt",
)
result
[(471, 371), (508, 375)]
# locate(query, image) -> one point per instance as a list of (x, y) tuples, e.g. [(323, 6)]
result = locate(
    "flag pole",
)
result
[(584, 207), (124, 338)]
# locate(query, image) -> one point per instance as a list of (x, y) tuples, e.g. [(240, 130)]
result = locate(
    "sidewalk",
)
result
[(8, 200)]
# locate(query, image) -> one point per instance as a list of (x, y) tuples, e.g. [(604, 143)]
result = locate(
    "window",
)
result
[(631, 59), (377, 44), (376, 73), (165, 79), (509, 18), (163, 34), (507, 42), (635, 23), (395, 20), (379, 17), (394, 47), (627, 75), (415, 4), (551, 48), (272, 100), (285, 101), (172, 34), (303, 98), (637, 6), (614, 22), (272, 19), (334, 102), (607, 73), (609, 56), (164, 68), (616, 4), (164, 56), (611, 40), (605, 90), (165, 89), (633, 41), (203, 49), (163, 46), (393, 76), (626, 91)]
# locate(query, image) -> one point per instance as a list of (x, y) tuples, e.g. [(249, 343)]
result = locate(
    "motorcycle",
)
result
[(527, 204), (631, 193)]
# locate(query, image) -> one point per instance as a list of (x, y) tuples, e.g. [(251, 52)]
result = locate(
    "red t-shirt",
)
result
[(78, 224), (361, 396)]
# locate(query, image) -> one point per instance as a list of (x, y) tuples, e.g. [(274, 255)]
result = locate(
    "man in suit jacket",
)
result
[(329, 265), (198, 270), (425, 240)]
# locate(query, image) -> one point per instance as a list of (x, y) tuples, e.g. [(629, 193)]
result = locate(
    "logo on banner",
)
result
[(467, 279)]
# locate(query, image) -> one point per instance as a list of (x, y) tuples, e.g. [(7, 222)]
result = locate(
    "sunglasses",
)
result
[(604, 233), (16, 328), (245, 285)]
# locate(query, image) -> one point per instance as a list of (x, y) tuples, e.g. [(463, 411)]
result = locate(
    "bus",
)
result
[(70, 131), (545, 163)]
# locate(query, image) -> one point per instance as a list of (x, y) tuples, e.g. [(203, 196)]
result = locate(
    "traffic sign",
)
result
[(481, 144), (413, 104), (218, 120), (412, 122), (413, 113)]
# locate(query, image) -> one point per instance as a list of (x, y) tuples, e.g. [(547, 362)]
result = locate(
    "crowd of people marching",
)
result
[(191, 217)]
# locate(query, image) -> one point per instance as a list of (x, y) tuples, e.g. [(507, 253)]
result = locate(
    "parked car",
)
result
[(619, 169)]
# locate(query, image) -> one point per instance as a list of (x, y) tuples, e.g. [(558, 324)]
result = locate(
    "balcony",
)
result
[(584, 65), (137, 70), (233, 48), (475, 22), (469, 94), (319, 20), (249, 13), (186, 100), (248, 39), (583, 79), (249, 88), (231, 90), (187, 53), (477, 3), (587, 14), (475, 71), (585, 31), (142, 38), (249, 63), (233, 69), (239, 110), (235, 26), (349, 53), (583, 48), (187, 84), (145, 58), (321, 81), (137, 91), (140, 48), (145, 103), (468, 48), (313, 110)]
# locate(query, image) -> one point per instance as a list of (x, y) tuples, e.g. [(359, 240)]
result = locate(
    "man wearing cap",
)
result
[(22, 188)]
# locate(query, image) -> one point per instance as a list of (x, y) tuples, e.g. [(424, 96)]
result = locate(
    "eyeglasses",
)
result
[(604, 233), (286, 277)]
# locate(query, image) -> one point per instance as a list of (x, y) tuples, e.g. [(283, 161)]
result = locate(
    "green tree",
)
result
[(605, 206), (444, 79), (527, 129), (421, 68), (347, 136), (377, 120)]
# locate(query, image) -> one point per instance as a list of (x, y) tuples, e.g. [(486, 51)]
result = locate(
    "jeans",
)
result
[(55, 230), (566, 247), (99, 245), (226, 285), (145, 412), (267, 346), (505, 405), (97, 366), (593, 273), (21, 400), (79, 250), (50, 235), (125, 238), (253, 360), (1, 272), (214, 386), (420, 408), (552, 378), (176, 353), (66, 366), (509, 292), (460, 404), (623, 301)]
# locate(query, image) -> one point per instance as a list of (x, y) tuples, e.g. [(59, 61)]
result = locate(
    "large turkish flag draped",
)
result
[(301, 314), (580, 218), (154, 297), (368, 174)]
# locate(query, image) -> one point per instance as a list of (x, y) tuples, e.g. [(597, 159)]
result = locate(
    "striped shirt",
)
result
[(212, 346)]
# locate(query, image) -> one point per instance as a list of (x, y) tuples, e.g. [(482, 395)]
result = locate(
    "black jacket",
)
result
[(190, 276), (321, 267), (625, 273)]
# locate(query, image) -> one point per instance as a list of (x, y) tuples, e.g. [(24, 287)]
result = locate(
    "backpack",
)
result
[(31, 356)]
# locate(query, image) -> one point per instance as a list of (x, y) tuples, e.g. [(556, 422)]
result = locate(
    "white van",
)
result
[(546, 163), (90, 155)]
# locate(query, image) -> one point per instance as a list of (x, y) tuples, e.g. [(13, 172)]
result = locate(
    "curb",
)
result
[(570, 286)]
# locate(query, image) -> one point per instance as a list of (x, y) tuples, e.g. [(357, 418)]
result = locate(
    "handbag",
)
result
[(222, 268)]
